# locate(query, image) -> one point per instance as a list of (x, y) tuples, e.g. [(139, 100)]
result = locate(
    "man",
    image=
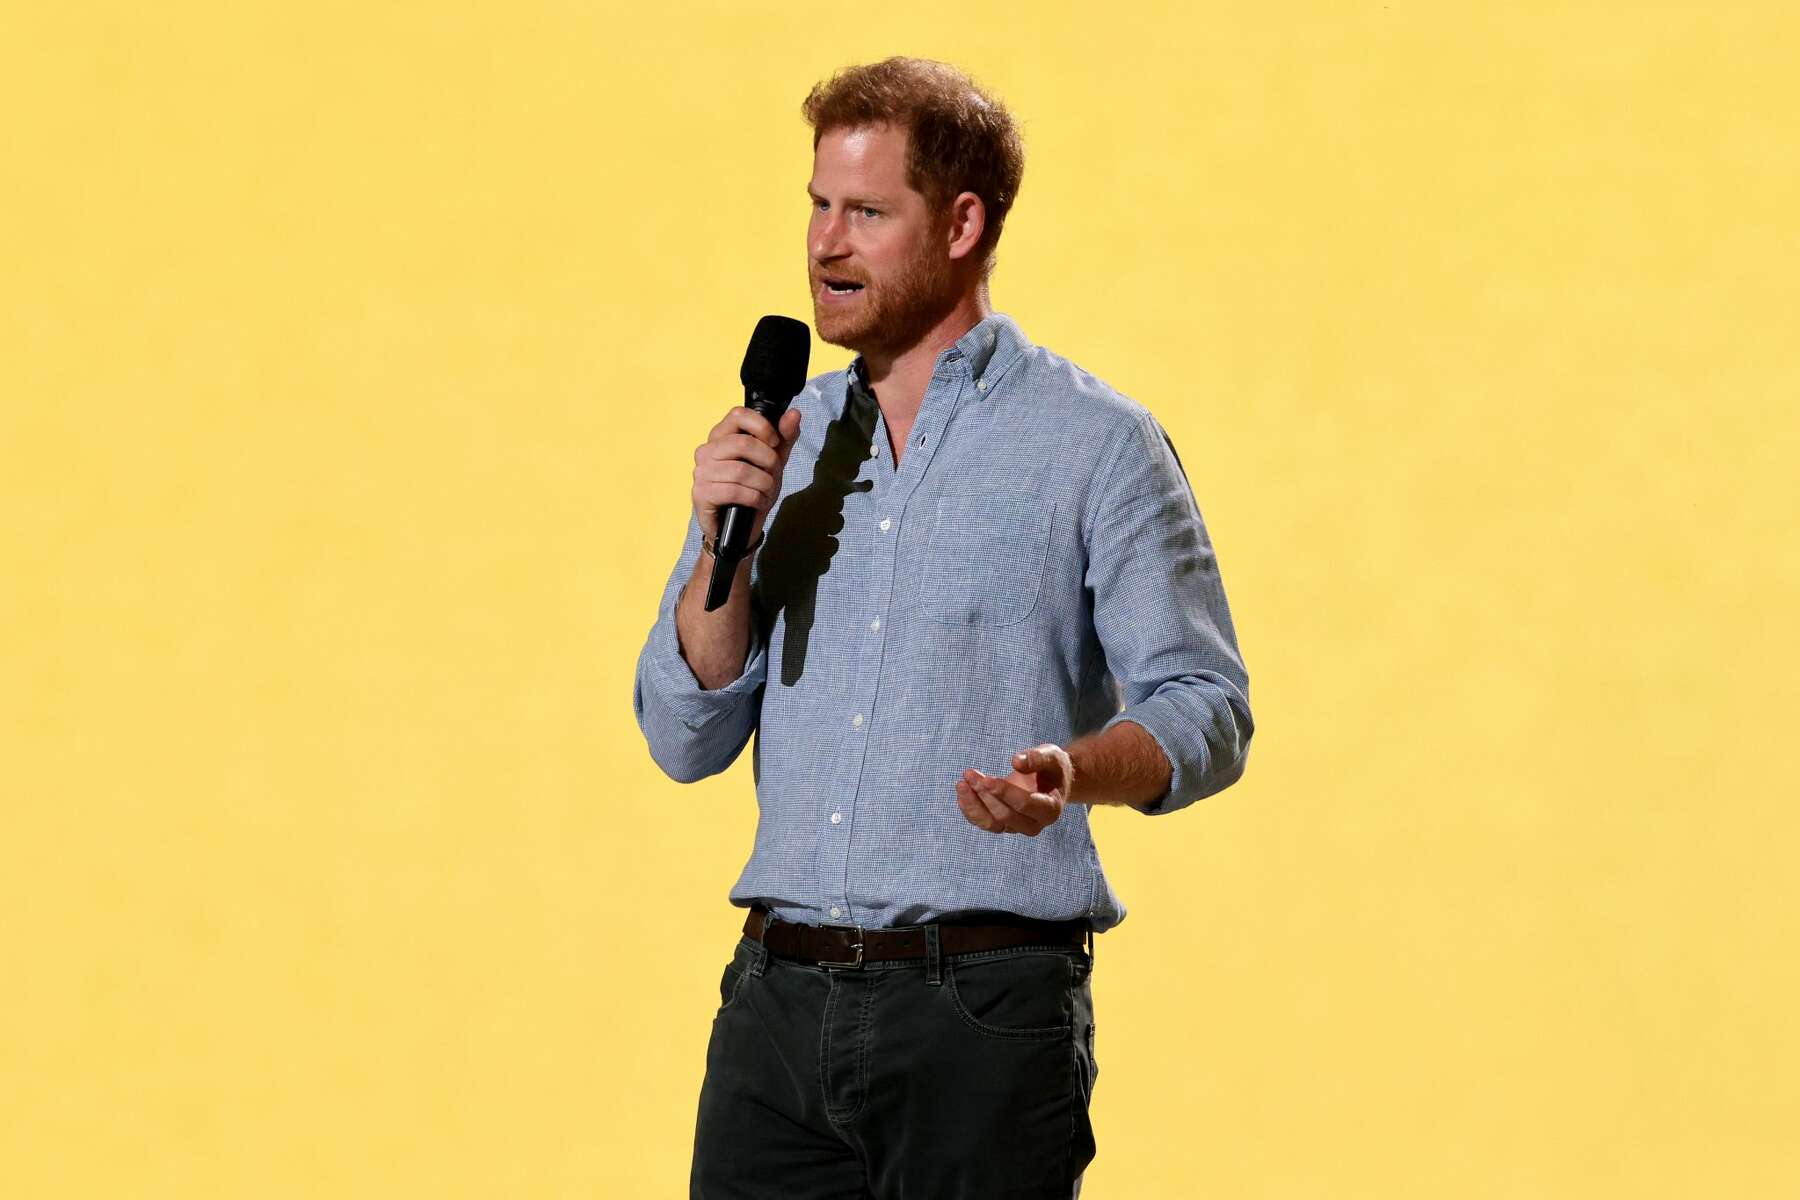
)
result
[(982, 601)]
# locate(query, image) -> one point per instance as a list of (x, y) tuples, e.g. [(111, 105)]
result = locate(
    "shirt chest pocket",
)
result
[(984, 564)]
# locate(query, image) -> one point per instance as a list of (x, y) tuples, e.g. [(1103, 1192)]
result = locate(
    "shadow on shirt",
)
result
[(802, 539)]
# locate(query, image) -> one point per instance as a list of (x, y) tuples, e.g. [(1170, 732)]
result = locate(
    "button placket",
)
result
[(945, 393)]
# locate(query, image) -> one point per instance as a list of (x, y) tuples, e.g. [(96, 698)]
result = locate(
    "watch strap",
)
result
[(711, 547)]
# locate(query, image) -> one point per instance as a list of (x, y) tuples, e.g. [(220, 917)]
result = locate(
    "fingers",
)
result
[(1045, 762), (1038, 808), (1001, 806), (733, 471), (989, 813), (724, 447), (983, 811), (709, 498), (1048, 768), (717, 484), (741, 462), (747, 420), (973, 810)]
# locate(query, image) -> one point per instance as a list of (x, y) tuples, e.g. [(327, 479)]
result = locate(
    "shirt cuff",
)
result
[(695, 706), (1155, 719)]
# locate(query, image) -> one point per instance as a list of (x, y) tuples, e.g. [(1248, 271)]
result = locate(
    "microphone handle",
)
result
[(735, 519)]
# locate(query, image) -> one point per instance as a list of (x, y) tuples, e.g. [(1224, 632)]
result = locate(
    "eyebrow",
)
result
[(854, 201)]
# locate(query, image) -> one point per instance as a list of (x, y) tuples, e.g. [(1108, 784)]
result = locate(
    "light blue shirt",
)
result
[(1035, 569)]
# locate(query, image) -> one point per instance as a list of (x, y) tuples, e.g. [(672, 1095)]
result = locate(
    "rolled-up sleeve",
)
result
[(1161, 617), (694, 732)]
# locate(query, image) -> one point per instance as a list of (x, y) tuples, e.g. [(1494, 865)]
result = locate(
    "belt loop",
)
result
[(933, 972), (761, 958)]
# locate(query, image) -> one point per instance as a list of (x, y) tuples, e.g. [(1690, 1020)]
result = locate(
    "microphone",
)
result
[(773, 373)]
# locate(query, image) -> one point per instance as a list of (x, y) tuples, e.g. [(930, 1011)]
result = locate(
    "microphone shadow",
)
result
[(802, 539)]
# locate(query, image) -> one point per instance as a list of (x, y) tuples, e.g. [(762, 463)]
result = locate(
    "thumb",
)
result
[(789, 428), (1040, 759)]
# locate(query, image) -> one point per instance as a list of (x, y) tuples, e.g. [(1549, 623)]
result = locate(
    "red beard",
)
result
[(887, 313)]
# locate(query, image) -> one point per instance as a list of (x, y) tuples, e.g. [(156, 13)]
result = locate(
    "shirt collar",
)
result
[(988, 348)]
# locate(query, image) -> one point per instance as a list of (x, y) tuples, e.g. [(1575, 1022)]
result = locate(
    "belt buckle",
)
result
[(847, 962)]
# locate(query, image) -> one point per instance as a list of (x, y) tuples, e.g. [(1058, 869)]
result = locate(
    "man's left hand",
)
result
[(1027, 801)]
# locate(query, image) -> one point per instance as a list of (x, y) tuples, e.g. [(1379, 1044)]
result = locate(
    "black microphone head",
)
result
[(775, 363)]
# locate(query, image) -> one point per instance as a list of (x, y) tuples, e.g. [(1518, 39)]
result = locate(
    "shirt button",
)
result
[(836, 911), (885, 523), (857, 720), (981, 385), (836, 817), (875, 624), (872, 450)]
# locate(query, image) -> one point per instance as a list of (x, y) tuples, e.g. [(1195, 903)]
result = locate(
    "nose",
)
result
[(827, 237)]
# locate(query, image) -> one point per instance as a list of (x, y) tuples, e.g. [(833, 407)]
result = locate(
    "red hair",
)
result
[(959, 139)]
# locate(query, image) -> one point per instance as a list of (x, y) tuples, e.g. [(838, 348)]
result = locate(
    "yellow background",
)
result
[(351, 362)]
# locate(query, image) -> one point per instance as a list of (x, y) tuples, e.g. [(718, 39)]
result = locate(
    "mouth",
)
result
[(839, 287)]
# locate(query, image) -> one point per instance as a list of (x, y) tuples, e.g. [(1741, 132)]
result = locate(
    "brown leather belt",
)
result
[(852, 945)]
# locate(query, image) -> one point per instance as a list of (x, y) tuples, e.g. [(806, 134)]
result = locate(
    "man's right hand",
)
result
[(741, 462)]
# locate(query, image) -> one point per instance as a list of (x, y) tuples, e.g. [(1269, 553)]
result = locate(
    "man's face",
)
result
[(870, 228)]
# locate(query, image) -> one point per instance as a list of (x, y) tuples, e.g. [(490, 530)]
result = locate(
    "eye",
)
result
[(870, 212)]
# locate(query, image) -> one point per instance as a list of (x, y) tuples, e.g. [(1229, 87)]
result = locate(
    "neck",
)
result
[(900, 375)]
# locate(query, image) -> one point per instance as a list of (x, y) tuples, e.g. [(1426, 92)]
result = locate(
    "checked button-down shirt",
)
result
[(1035, 569)]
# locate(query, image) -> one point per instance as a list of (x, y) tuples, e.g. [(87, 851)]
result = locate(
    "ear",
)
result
[(968, 218)]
